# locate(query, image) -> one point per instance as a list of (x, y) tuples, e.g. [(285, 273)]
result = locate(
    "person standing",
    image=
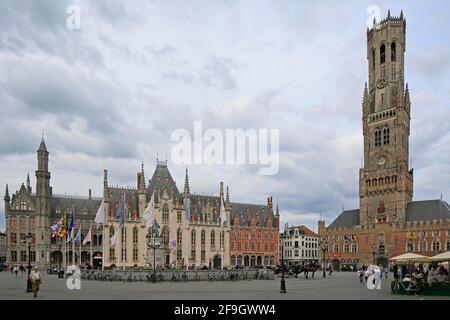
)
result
[(16, 270), (377, 278), (36, 280), (395, 271)]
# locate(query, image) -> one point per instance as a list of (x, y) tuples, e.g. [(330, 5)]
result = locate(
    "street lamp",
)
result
[(324, 248), (283, 282), (374, 251), (29, 239), (154, 242)]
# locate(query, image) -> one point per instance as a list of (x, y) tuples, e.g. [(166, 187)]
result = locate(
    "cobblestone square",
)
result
[(340, 286)]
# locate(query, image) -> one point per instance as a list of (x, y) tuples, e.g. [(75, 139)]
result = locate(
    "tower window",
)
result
[(382, 54), (377, 138), (386, 136), (393, 73), (393, 52), (373, 59)]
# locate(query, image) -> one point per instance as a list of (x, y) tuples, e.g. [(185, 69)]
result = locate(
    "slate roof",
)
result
[(162, 179), (84, 207), (416, 211), (303, 230), (427, 210), (347, 219)]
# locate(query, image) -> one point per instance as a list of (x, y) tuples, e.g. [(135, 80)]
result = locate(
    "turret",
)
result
[(28, 183), (186, 184), (321, 227), (7, 200), (227, 200), (105, 186)]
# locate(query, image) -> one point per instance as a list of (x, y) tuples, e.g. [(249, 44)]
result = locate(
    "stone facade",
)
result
[(388, 222), (33, 213), (201, 238)]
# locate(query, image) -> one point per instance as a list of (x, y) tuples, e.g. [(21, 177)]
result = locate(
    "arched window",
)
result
[(373, 59), (165, 214), (346, 247), (124, 234), (135, 235), (393, 52), (203, 238), (423, 245), (386, 136), (354, 246), (179, 244), (193, 237), (213, 240), (336, 247), (436, 245), (382, 54), (165, 235)]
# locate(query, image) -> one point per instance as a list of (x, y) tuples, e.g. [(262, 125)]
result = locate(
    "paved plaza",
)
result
[(342, 286)]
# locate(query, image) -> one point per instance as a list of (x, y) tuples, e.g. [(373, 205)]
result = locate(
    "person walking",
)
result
[(16, 270), (36, 280), (361, 275)]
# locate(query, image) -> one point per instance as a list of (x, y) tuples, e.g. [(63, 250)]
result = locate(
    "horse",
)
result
[(306, 269)]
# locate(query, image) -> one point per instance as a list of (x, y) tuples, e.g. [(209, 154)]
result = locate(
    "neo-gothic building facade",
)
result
[(201, 239), (33, 213), (388, 221)]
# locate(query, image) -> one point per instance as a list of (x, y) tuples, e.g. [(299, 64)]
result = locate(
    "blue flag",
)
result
[(78, 237), (72, 224)]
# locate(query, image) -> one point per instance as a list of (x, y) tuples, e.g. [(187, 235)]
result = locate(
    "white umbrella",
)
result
[(441, 256), (407, 257)]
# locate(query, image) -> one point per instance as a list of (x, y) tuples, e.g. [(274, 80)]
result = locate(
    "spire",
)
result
[(28, 183), (401, 15), (228, 196), (277, 212), (7, 198), (141, 185), (105, 185), (186, 183), (42, 146), (365, 94), (389, 14)]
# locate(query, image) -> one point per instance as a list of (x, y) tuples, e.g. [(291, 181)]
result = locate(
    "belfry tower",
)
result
[(386, 181)]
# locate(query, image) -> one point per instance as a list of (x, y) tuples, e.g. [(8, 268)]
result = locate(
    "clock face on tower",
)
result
[(381, 160)]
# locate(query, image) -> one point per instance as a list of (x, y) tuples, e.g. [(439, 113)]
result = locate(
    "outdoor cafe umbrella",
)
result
[(445, 256), (410, 257)]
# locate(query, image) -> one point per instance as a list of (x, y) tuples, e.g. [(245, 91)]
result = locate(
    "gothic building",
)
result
[(32, 213), (201, 239), (388, 221)]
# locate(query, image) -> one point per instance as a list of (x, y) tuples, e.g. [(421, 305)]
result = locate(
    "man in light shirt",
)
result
[(36, 280)]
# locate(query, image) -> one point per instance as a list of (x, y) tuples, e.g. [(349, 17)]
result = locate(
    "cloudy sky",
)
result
[(110, 94)]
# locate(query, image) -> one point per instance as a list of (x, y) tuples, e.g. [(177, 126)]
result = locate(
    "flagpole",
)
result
[(72, 231), (123, 237), (90, 247), (80, 246)]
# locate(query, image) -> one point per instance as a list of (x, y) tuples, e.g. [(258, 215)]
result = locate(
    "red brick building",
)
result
[(254, 233)]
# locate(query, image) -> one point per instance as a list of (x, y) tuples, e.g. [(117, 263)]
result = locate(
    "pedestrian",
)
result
[(386, 271), (16, 270), (36, 280), (21, 268), (366, 274), (361, 275), (395, 271)]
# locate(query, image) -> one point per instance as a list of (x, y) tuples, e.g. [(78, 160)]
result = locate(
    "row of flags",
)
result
[(423, 234)]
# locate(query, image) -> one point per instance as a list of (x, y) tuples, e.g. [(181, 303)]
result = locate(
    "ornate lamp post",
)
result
[(283, 282), (154, 242), (29, 239), (324, 248), (374, 251)]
